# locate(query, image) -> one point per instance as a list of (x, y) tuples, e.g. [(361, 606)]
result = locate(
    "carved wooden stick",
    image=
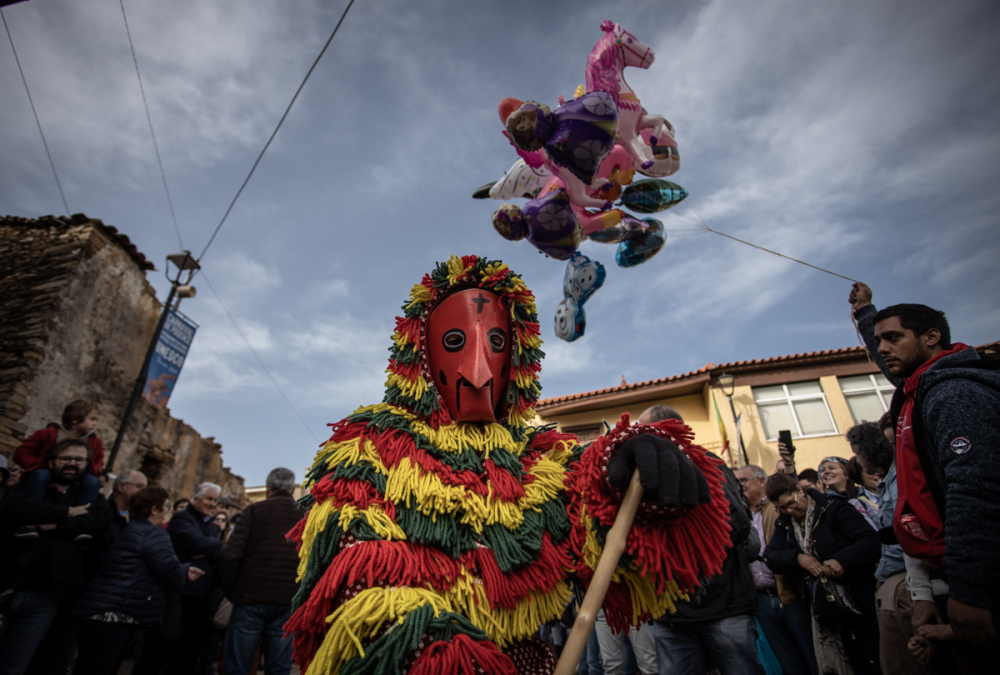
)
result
[(613, 549)]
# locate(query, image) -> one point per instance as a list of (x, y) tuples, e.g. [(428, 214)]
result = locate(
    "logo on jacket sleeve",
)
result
[(961, 445)]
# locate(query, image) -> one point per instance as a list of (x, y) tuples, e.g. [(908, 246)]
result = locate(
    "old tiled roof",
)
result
[(847, 352), (80, 219)]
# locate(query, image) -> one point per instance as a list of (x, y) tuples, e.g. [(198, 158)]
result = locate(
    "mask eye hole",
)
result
[(453, 340), (498, 339)]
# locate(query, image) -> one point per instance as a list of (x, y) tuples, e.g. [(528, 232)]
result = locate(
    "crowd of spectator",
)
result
[(180, 585), (882, 562)]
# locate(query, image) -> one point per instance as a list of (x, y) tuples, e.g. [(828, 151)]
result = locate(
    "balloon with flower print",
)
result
[(577, 136)]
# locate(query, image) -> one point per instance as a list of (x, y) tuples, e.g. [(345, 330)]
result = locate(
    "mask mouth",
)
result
[(464, 383)]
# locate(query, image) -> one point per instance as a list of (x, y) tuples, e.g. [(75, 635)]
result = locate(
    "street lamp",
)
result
[(727, 384), (184, 262)]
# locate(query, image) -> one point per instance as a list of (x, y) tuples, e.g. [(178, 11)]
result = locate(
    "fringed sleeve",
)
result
[(669, 551)]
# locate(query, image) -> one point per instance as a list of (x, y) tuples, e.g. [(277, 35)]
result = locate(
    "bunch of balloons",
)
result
[(575, 161)]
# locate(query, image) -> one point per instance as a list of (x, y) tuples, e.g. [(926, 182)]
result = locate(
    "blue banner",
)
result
[(168, 357)]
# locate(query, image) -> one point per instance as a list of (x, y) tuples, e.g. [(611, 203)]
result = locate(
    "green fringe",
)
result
[(363, 471), (514, 549), (443, 532), (324, 547), (386, 655), (556, 519)]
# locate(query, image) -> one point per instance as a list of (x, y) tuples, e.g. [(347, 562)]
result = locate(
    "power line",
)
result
[(280, 122), (263, 367), (28, 92), (150, 120)]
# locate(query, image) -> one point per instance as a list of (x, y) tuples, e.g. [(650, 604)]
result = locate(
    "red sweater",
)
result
[(34, 452)]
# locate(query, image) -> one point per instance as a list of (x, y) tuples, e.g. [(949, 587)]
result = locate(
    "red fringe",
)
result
[(393, 446), (548, 439), (409, 371), (666, 547), (410, 328), (370, 563), (463, 656), (542, 575), (505, 486)]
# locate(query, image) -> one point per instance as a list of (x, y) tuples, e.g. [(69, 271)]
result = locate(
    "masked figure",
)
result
[(443, 529)]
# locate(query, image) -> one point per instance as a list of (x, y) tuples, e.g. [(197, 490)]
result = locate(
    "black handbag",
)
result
[(832, 604)]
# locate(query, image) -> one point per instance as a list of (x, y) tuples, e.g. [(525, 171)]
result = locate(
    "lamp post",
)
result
[(184, 262), (727, 384)]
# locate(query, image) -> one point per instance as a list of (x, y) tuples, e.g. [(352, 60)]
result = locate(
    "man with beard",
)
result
[(947, 417), (40, 629)]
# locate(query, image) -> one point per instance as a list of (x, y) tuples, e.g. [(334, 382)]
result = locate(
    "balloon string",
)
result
[(780, 255)]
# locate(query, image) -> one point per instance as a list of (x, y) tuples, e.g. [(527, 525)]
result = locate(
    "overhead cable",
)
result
[(151, 132), (275, 133), (35, 113), (252, 351)]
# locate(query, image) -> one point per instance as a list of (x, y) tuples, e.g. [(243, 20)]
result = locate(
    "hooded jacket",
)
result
[(432, 546), (958, 407)]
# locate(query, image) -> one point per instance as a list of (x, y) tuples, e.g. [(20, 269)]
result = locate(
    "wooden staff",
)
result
[(614, 547)]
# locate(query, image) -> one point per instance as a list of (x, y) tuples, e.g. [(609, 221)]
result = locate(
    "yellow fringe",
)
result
[(419, 293), (548, 484), (414, 388), (315, 524), (456, 438), (504, 626), (362, 617), (400, 339), (376, 518), (432, 497)]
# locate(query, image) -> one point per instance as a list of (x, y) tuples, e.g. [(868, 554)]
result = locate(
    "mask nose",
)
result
[(475, 366)]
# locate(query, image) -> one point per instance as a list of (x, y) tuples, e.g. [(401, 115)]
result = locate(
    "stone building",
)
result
[(76, 317)]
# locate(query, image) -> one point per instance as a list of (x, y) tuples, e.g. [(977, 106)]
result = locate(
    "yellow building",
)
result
[(817, 396)]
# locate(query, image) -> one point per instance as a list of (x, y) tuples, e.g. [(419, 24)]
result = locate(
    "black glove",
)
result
[(665, 471)]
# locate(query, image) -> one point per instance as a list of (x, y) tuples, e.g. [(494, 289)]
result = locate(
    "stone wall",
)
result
[(76, 316)]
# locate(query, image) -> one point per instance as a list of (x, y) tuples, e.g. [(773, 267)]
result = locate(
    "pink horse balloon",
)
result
[(614, 52)]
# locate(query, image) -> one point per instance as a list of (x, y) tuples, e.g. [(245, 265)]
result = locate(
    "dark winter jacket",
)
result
[(140, 566), (16, 511), (840, 533), (191, 534), (732, 591), (258, 565), (54, 562), (958, 407)]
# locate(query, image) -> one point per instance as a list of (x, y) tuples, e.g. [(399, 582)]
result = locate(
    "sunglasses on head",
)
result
[(839, 460)]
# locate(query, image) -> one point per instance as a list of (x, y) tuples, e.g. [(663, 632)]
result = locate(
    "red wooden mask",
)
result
[(468, 352)]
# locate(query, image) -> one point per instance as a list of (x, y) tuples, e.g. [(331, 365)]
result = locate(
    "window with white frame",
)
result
[(868, 396), (800, 407)]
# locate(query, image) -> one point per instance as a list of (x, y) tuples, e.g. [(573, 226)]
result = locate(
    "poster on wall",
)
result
[(168, 358)]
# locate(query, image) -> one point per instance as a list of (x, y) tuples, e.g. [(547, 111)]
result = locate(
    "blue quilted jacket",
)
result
[(139, 567)]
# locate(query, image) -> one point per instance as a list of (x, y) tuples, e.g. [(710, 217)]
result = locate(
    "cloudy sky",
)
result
[(859, 136)]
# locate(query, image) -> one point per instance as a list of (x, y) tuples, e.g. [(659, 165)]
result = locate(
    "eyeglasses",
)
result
[(71, 460), (783, 508)]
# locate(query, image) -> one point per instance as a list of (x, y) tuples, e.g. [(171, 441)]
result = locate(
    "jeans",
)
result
[(613, 648), (37, 482), (253, 624), (31, 615), (788, 629), (684, 649), (101, 646)]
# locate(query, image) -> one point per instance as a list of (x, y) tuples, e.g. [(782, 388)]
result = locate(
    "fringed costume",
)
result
[(433, 546)]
